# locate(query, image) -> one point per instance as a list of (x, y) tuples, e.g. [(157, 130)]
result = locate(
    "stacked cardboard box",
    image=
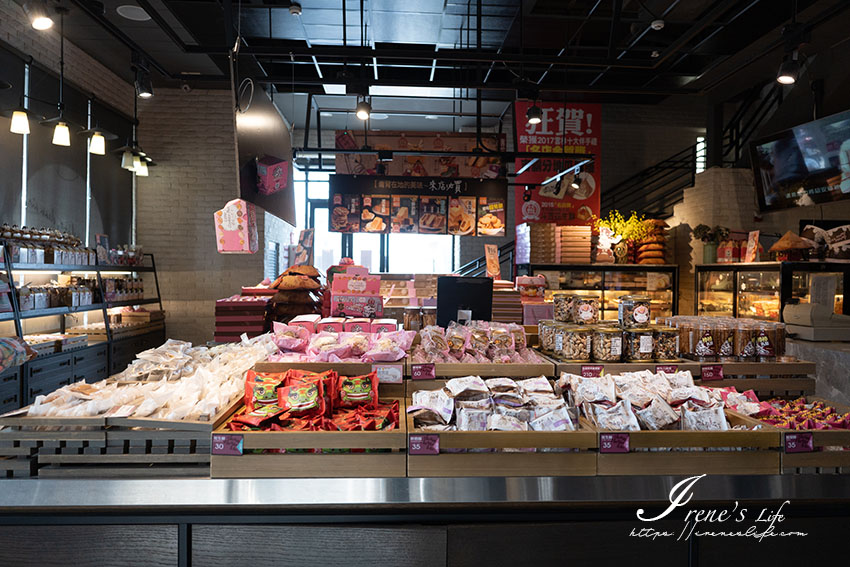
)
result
[(241, 314), (573, 244), (507, 303), (535, 243)]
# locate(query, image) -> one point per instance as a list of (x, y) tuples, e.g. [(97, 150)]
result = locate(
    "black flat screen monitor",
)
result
[(460, 299), (806, 165)]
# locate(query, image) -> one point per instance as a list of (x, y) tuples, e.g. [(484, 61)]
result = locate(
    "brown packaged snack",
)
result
[(291, 283)]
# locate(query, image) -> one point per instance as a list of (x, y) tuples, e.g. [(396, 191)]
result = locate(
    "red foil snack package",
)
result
[(303, 398), (261, 388), (355, 391), (260, 416), (328, 377)]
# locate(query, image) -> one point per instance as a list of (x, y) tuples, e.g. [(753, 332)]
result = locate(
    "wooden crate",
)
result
[(389, 462), (579, 460), (341, 368), (820, 460), (453, 370), (621, 367), (768, 379), (753, 452)]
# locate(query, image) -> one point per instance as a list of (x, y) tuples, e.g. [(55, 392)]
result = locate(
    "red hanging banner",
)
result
[(571, 128)]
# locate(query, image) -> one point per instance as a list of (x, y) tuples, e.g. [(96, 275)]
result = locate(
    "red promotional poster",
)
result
[(571, 128)]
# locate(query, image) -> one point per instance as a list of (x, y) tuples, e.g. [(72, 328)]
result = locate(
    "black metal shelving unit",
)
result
[(19, 386)]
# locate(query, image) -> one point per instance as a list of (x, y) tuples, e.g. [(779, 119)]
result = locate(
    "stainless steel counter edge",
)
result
[(185, 494)]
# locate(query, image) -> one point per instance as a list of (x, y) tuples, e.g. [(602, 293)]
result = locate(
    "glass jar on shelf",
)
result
[(639, 344), (546, 335), (704, 343), (429, 316), (666, 344), (572, 342), (412, 318), (606, 344), (563, 305), (585, 310), (634, 311)]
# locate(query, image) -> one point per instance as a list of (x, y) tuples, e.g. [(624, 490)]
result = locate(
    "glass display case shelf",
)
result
[(760, 290)]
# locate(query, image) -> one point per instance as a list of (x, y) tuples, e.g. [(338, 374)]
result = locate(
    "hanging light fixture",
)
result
[(789, 70), (364, 109), (61, 125), (61, 134), (142, 169), (97, 140), (38, 14), (20, 122), (144, 86), (575, 181), (534, 115), (127, 160)]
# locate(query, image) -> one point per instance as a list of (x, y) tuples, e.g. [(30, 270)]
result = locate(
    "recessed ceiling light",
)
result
[(327, 114), (430, 117), (131, 12), (376, 116)]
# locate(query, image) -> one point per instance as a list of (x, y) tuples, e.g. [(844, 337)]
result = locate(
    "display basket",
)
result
[(767, 379), (824, 451), (483, 453)]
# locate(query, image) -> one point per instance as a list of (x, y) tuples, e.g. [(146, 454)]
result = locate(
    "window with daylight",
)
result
[(700, 154)]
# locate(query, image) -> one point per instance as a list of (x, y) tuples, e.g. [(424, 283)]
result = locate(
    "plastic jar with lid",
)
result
[(412, 318), (704, 343), (546, 334), (585, 310), (563, 307), (666, 344), (574, 342), (634, 311), (745, 340), (639, 345), (766, 341), (429, 316), (724, 341), (606, 344)]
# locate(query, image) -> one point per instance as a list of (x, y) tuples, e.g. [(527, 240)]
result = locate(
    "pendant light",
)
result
[(38, 14), (127, 160), (363, 109), (133, 158), (97, 144), (534, 115), (789, 70), (61, 125), (20, 122), (142, 168), (61, 134)]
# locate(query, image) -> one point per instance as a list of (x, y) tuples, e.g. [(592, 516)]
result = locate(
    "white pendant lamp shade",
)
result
[(127, 160), (20, 124), (142, 169), (97, 144), (137, 163), (38, 14), (61, 135), (363, 110)]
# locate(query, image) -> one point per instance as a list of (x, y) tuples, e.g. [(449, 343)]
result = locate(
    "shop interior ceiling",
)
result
[(452, 50)]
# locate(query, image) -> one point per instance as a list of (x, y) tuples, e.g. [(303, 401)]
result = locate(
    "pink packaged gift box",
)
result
[(272, 174), (384, 325), (358, 325), (306, 321), (236, 228), (356, 284), (332, 324), (353, 305)]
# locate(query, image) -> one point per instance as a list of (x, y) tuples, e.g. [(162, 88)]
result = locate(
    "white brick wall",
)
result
[(81, 70), (191, 136)]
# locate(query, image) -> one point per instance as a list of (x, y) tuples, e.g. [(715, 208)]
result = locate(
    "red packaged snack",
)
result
[(328, 377), (303, 398), (261, 388), (260, 416), (354, 391)]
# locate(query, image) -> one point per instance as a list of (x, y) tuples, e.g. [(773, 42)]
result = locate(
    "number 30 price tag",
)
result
[(227, 444)]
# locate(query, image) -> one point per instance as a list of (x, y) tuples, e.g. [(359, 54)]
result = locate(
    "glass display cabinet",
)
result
[(608, 282), (760, 290)]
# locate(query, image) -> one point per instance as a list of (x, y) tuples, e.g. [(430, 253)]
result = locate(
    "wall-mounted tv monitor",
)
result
[(806, 165)]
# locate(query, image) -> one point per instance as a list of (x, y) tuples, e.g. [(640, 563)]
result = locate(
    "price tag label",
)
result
[(667, 368), (423, 445), (389, 373), (591, 370), (613, 442), (799, 443), (227, 444), (712, 372), (423, 371)]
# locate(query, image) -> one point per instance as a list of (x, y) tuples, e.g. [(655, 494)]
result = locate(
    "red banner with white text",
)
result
[(571, 128)]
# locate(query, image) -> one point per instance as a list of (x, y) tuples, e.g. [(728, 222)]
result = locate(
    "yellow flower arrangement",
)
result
[(633, 228)]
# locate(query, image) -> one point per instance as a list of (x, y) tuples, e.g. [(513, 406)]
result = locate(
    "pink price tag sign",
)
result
[(423, 445), (389, 373), (799, 443), (712, 372), (227, 444), (591, 370), (613, 442), (423, 371), (667, 368)]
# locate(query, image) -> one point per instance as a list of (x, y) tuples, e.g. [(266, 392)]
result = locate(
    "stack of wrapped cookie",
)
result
[(653, 248), (299, 292)]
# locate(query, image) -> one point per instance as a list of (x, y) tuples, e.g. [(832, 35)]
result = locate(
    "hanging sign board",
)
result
[(418, 205)]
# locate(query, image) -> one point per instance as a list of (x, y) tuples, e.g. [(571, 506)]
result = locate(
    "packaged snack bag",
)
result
[(434, 341), (261, 388), (356, 391), (290, 338), (458, 338), (303, 397), (389, 346)]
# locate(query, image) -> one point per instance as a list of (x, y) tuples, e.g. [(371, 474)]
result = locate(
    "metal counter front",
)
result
[(413, 521)]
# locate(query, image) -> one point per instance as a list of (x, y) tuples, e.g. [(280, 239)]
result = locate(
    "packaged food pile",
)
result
[(722, 339), (799, 414), (477, 342), (297, 344), (637, 401), (497, 404), (299, 400), (175, 381), (652, 249), (299, 291)]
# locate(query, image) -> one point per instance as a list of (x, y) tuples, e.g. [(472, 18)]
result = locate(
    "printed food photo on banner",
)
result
[(432, 215), (491, 217), (375, 216), (462, 216), (405, 214), (345, 213)]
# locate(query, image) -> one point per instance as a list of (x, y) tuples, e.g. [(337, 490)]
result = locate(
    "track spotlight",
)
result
[(534, 115)]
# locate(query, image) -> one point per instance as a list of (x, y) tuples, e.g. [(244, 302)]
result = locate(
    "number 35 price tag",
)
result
[(424, 445), (613, 442)]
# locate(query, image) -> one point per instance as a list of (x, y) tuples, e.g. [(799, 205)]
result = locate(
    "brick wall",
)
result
[(192, 138), (81, 70)]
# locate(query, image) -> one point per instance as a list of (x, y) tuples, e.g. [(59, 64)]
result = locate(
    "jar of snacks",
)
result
[(766, 342), (585, 310), (606, 344), (412, 318), (704, 345), (574, 342), (724, 337), (639, 345), (634, 311), (745, 341), (563, 307), (546, 334), (429, 316), (666, 344)]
